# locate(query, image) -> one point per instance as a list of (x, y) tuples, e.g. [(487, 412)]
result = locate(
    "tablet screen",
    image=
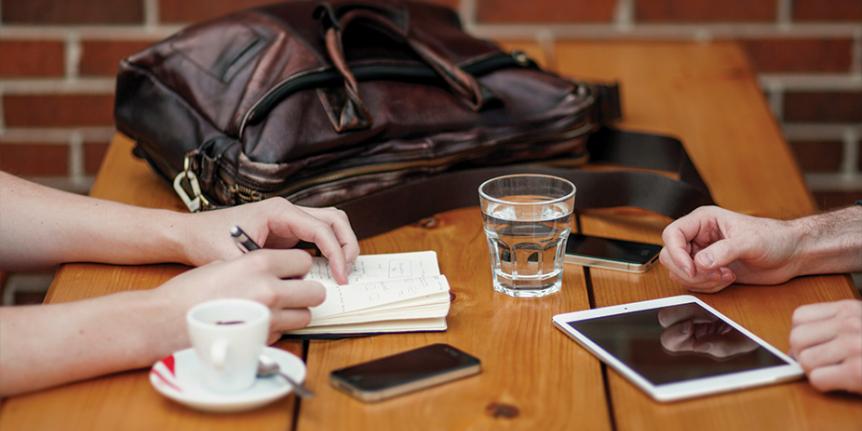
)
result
[(676, 343)]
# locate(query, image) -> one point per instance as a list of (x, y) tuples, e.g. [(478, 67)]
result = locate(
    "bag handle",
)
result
[(408, 203), (460, 82)]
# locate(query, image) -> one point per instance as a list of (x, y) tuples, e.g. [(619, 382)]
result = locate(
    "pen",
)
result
[(243, 242), (246, 244)]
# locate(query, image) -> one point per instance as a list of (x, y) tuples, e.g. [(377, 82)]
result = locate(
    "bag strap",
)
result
[(405, 204)]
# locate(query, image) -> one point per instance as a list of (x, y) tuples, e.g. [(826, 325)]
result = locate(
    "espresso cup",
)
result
[(228, 336)]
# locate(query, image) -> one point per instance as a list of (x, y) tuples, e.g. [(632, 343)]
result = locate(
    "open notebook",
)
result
[(399, 292)]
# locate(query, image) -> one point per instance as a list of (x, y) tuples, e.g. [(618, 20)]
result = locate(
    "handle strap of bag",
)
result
[(354, 113), (405, 204)]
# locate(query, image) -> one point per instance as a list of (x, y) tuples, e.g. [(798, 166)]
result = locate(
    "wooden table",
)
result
[(534, 376)]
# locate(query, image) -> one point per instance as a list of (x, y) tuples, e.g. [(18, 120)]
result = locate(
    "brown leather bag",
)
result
[(384, 108)]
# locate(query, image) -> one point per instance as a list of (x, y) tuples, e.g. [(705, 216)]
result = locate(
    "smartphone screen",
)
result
[(637, 253), (432, 364)]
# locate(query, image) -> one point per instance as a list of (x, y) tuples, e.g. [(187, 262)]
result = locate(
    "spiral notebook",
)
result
[(398, 292)]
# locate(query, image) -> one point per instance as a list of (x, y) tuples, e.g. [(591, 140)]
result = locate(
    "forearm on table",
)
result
[(830, 242), (41, 227), (47, 345)]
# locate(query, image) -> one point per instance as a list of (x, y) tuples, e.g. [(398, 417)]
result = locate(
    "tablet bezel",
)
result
[(688, 388)]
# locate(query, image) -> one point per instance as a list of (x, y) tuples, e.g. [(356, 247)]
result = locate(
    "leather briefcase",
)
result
[(386, 109)]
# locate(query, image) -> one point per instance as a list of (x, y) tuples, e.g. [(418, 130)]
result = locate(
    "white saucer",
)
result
[(177, 377)]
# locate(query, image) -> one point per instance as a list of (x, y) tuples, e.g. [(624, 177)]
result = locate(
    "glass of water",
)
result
[(527, 220)]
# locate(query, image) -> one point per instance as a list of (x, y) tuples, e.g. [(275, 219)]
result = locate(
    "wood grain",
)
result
[(527, 363), (533, 376), (125, 400), (705, 94)]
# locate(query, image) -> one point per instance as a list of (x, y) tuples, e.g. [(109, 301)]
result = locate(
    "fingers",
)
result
[(686, 237), (805, 336), (844, 376), (720, 253), (820, 311), (306, 227), (677, 238), (830, 353), (808, 331), (299, 294), (279, 263), (286, 320), (704, 282), (340, 224)]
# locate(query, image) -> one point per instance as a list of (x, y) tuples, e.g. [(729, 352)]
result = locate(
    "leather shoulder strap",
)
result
[(401, 205)]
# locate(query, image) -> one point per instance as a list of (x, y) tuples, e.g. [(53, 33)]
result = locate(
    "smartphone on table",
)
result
[(405, 372), (616, 254)]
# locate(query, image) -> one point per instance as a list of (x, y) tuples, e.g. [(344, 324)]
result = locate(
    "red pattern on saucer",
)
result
[(165, 371)]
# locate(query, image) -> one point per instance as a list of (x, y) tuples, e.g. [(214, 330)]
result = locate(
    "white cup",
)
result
[(228, 336)]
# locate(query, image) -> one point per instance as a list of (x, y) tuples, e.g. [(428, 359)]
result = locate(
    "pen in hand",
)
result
[(243, 242)]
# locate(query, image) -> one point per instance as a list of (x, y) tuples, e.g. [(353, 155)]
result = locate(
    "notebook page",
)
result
[(342, 299), (380, 267)]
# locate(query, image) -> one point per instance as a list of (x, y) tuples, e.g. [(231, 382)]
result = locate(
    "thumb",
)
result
[(720, 253)]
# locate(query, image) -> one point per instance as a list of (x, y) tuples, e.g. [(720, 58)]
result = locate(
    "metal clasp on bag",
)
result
[(198, 202)]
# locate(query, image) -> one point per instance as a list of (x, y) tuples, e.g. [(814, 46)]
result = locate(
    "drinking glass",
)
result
[(527, 220)]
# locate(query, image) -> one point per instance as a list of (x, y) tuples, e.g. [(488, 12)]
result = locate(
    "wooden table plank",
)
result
[(526, 364), (523, 357), (706, 94), (125, 400)]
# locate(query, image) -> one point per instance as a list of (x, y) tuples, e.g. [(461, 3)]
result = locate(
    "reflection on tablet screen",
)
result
[(676, 343)]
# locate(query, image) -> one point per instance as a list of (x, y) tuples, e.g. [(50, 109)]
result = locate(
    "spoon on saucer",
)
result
[(266, 367)]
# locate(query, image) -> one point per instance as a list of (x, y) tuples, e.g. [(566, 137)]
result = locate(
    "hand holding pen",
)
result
[(246, 244), (273, 223)]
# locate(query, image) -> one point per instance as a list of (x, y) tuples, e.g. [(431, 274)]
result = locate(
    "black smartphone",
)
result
[(405, 372), (617, 254)]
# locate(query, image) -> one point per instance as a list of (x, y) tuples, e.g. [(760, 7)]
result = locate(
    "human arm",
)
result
[(826, 339), (47, 345), (42, 227), (711, 248)]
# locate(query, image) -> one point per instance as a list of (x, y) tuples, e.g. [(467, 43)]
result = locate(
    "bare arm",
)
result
[(711, 248), (41, 227), (47, 345), (830, 242)]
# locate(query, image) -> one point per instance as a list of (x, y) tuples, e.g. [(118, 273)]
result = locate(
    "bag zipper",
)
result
[(329, 77), (246, 191)]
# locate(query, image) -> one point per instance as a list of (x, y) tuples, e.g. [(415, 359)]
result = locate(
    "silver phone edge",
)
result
[(374, 396), (615, 265)]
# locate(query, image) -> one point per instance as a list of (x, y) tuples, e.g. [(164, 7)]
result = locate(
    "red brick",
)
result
[(823, 106), (827, 200), (704, 10), (29, 58), (94, 153), (72, 11), (101, 57), (827, 10), (58, 110), (200, 10), (34, 159), (799, 55), (545, 11), (818, 156)]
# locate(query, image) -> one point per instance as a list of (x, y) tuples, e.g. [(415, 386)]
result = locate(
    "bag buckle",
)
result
[(198, 202)]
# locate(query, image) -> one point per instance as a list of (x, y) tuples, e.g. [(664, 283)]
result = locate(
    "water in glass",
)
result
[(527, 236)]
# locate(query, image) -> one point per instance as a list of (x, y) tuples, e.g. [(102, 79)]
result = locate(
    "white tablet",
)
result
[(677, 347)]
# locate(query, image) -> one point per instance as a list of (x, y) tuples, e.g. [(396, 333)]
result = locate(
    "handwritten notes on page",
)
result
[(395, 292)]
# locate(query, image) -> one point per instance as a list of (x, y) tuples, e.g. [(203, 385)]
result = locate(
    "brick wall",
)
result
[(58, 58)]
